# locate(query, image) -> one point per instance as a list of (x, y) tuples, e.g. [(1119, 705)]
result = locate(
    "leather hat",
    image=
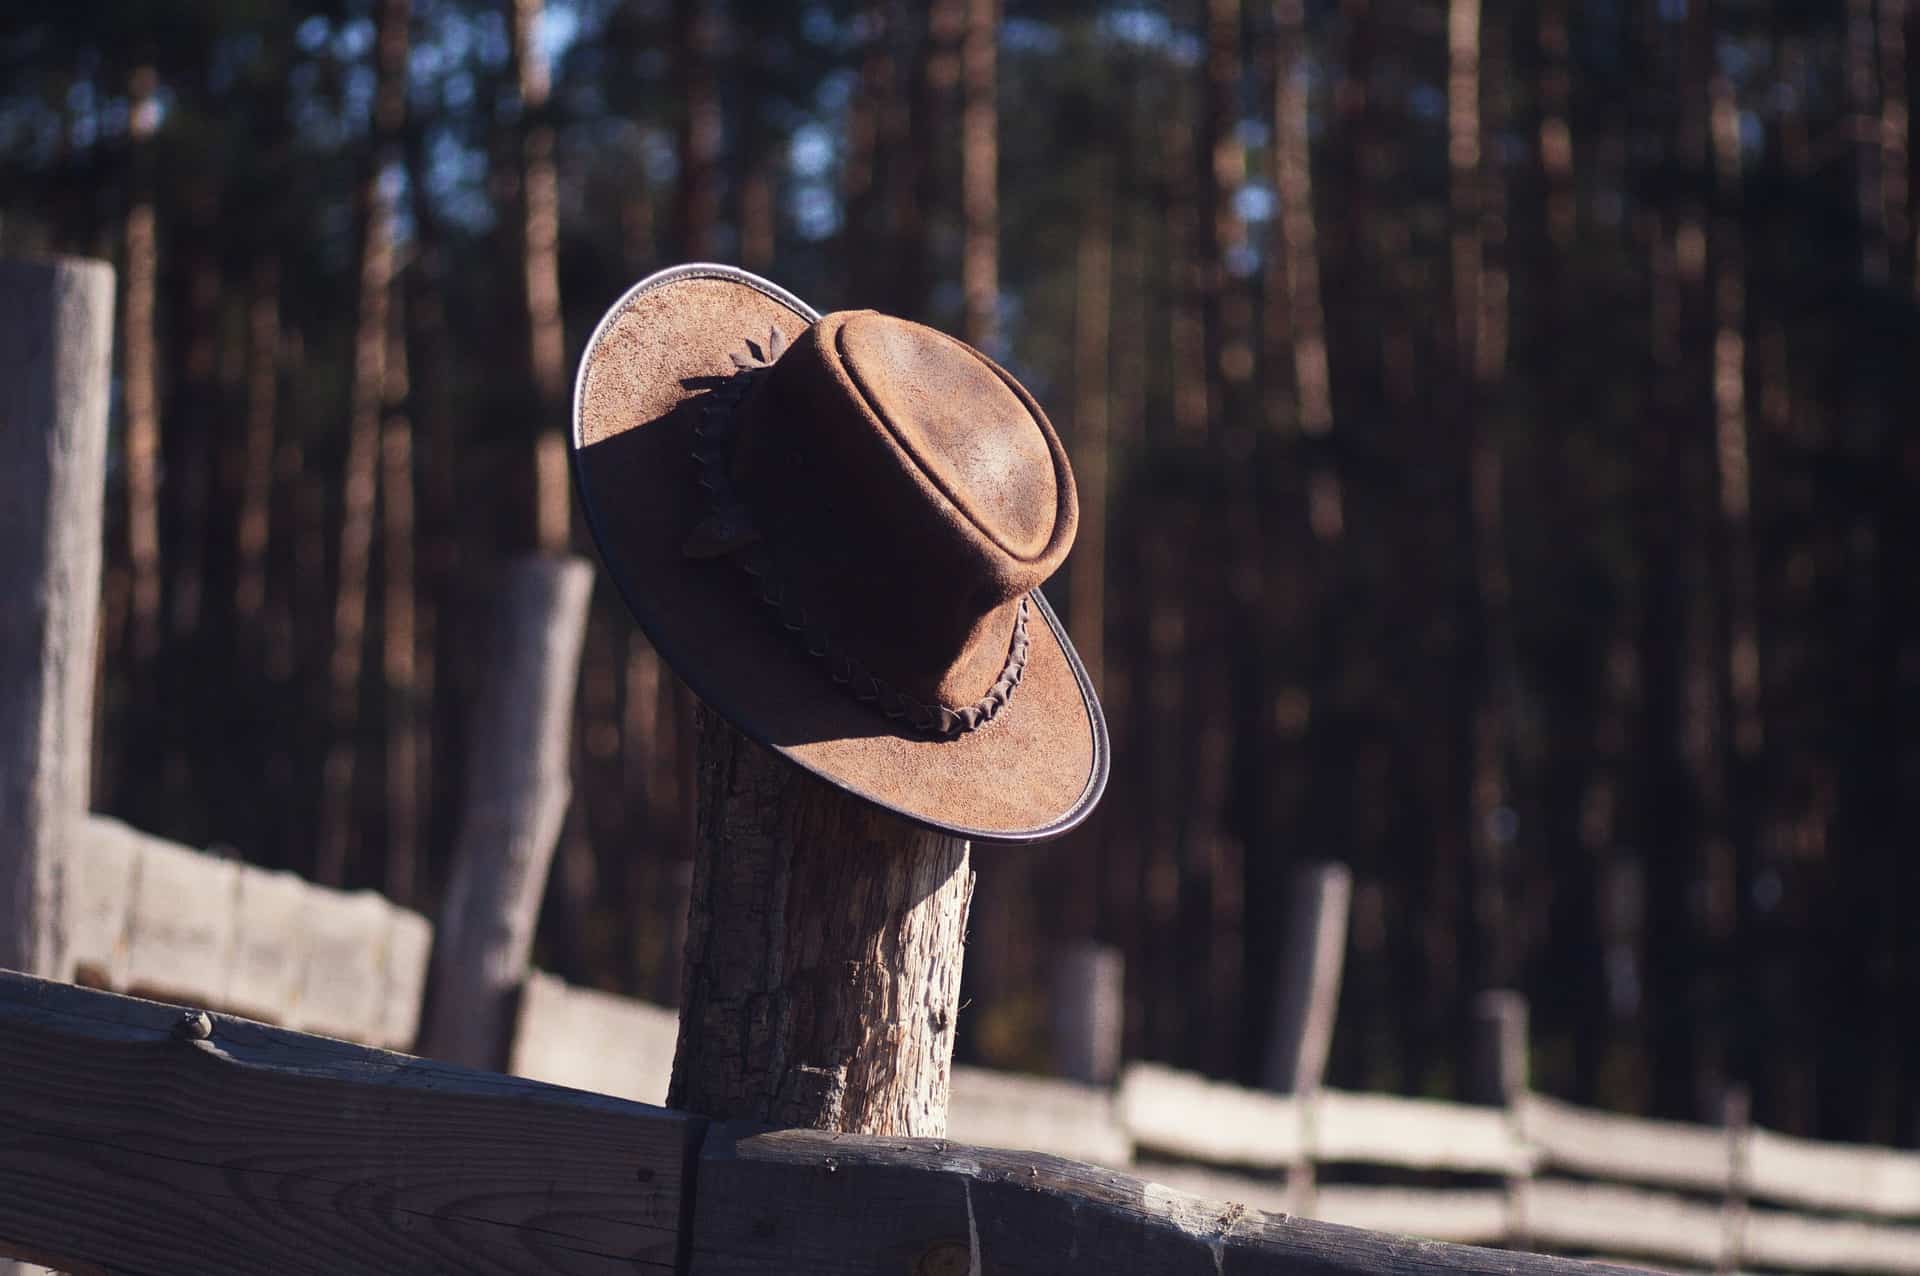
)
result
[(835, 530)]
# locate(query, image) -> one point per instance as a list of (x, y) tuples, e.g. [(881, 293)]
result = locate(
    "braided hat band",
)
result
[(728, 530)]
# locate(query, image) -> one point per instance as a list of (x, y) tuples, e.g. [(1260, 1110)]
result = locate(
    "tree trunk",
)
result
[(398, 637), (1298, 262), (1863, 95), (540, 275), (1087, 583), (363, 443), (698, 202), (138, 368), (256, 485), (1222, 172), (56, 342), (823, 953), (980, 175)]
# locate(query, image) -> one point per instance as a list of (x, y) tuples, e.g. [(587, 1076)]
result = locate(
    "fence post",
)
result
[(823, 955), (517, 786), (56, 338), (1089, 1012), (1499, 1078), (1306, 1002), (1736, 1114)]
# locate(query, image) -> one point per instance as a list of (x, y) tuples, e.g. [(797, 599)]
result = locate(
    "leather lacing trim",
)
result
[(728, 530)]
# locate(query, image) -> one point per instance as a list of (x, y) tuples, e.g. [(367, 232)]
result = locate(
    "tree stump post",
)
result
[(56, 336), (824, 943)]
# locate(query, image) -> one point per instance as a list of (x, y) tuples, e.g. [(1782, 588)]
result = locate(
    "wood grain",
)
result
[(154, 918), (56, 334), (517, 788), (824, 943), (835, 1205), (124, 1146)]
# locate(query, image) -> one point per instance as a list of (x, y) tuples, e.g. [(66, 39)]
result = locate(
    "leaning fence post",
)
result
[(1306, 1002), (1089, 1012), (56, 336), (1499, 1078), (517, 788), (824, 942)]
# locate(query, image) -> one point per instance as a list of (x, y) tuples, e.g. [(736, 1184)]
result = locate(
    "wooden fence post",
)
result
[(1736, 1113), (824, 943), (1307, 999), (1499, 1079), (1089, 1012), (56, 336), (517, 786)]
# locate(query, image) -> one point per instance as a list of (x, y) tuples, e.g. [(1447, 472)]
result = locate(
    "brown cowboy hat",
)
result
[(834, 529)]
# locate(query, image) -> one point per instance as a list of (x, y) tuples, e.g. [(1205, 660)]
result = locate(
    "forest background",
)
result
[(1492, 422)]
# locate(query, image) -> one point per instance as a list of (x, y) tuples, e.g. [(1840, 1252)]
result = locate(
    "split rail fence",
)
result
[(160, 920), (244, 1133)]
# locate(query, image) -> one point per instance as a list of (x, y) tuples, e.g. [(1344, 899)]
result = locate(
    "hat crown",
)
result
[(956, 417), (913, 490)]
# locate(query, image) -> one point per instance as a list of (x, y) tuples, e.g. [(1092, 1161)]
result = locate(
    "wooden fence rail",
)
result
[(141, 1137)]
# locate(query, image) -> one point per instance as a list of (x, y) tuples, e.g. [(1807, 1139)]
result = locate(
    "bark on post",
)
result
[(823, 958), (518, 783), (56, 333)]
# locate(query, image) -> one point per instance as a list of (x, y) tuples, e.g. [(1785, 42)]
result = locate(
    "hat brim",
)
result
[(1032, 773)]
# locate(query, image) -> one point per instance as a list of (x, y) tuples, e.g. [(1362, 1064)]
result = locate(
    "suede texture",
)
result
[(909, 490)]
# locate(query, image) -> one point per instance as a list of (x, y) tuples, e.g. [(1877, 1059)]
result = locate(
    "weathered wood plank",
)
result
[(1624, 1220), (1037, 1114), (1775, 1238), (1837, 1176), (181, 927), (1184, 1115), (1466, 1215), (837, 1205), (104, 855), (153, 918), (592, 1040), (1604, 1145), (1420, 1134), (127, 1145)]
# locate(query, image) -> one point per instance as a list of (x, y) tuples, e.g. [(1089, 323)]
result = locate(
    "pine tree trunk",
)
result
[(363, 444), (980, 175), (823, 953), (1863, 95), (1086, 591), (1222, 172), (697, 210), (254, 531), (138, 374), (540, 275), (398, 637), (1298, 267), (1186, 326)]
